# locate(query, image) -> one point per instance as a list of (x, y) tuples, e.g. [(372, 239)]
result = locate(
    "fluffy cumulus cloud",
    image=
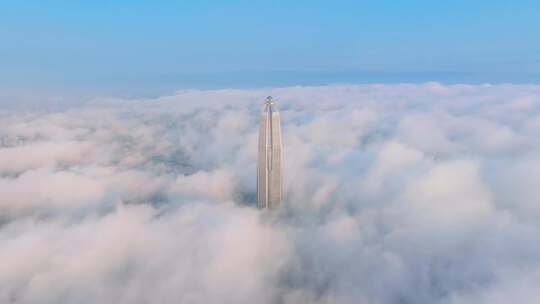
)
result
[(410, 193)]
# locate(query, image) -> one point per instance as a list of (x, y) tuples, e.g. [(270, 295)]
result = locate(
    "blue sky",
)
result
[(146, 47)]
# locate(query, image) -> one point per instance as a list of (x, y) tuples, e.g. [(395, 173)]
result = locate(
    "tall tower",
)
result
[(269, 175)]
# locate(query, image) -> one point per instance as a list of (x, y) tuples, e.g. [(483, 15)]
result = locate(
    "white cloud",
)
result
[(406, 193)]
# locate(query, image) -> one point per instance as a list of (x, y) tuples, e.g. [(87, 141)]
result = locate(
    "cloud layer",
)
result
[(413, 193)]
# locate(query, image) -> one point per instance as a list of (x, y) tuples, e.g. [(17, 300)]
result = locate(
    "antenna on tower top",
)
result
[(269, 100)]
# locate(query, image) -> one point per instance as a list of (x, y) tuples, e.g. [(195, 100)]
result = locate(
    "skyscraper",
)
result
[(269, 169)]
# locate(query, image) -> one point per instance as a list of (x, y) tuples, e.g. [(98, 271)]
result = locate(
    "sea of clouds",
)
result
[(405, 193)]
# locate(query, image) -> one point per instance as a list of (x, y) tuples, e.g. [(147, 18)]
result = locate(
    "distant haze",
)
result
[(146, 48)]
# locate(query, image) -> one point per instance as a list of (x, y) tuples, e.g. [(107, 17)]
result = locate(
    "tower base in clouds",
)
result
[(269, 168)]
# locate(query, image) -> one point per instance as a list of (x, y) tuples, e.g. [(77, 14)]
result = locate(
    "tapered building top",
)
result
[(270, 105), (269, 167)]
